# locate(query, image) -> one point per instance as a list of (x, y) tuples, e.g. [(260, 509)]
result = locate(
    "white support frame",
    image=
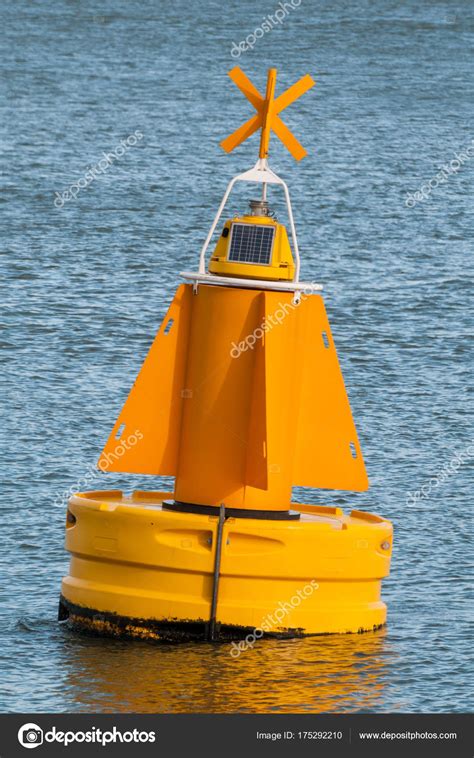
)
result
[(261, 173)]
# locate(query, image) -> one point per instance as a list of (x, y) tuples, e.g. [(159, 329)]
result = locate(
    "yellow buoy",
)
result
[(240, 398), (146, 571)]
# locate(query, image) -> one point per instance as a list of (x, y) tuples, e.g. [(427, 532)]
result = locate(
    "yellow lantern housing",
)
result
[(253, 247)]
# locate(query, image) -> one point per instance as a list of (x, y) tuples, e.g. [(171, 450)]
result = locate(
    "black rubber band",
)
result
[(213, 510)]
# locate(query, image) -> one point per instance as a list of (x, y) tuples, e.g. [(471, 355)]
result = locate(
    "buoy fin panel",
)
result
[(284, 341), (328, 453), (256, 474), (152, 412), (275, 388)]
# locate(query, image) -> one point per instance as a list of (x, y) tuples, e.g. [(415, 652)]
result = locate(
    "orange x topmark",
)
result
[(267, 117)]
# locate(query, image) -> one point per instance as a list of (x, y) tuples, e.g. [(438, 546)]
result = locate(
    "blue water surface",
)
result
[(85, 287)]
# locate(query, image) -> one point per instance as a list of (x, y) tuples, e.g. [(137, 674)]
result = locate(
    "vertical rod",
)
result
[(202, 257), (267, 113), (217, 568), (293, 234)]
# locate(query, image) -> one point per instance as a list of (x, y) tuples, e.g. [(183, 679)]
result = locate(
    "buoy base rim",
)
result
[(107, 624)]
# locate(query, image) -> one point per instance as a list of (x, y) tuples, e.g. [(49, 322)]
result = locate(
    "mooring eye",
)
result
[(168, 326), (120, 431)]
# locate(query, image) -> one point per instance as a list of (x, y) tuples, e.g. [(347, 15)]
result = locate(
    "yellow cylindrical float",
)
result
[(140, 570)]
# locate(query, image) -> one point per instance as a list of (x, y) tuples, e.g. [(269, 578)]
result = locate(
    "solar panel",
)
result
[(251, 243)]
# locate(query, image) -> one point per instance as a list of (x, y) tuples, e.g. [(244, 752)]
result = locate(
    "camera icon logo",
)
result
[(30, 735)]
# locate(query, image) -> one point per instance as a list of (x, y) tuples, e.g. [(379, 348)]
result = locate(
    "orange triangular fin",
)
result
[(328, 453), (152, 411)]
